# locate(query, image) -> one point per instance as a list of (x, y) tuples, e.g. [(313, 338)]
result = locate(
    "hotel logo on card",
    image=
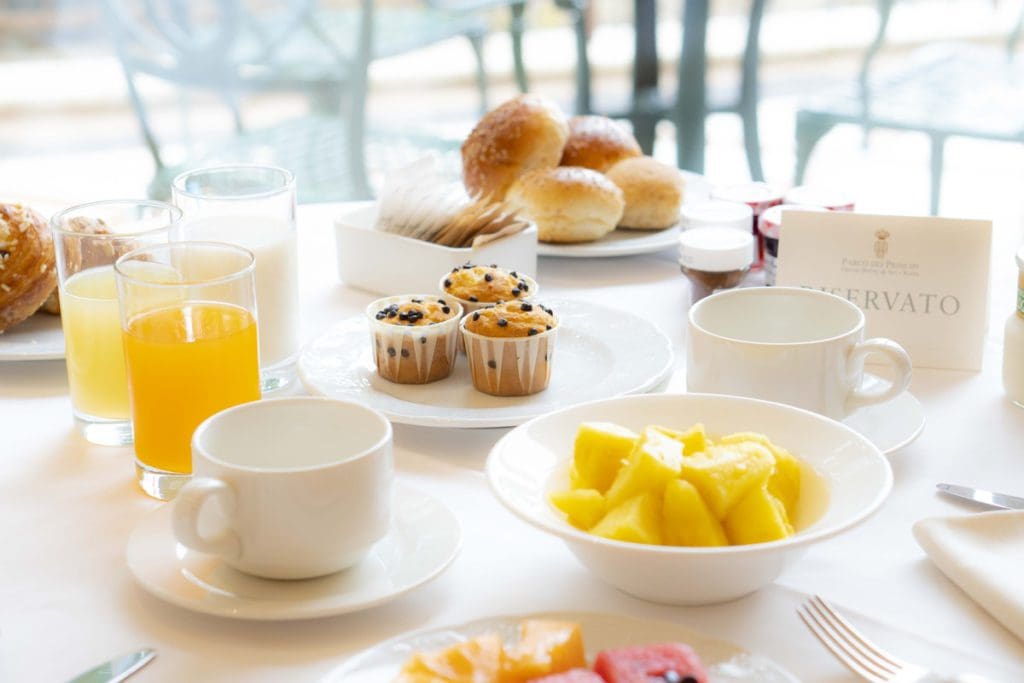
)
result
[(922, 281)]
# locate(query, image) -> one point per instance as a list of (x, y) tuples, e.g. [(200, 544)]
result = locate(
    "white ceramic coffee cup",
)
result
[(798, 346), (289, 488)]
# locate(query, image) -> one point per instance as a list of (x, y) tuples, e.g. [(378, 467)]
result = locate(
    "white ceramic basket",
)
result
[(384, 263)]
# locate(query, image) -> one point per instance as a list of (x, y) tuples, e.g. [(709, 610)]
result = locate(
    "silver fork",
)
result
[(863, 657)]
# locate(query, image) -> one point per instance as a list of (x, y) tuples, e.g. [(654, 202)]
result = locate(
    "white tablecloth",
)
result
[(67, 600)]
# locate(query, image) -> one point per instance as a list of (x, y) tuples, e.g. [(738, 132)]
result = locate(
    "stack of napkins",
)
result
[(982, 553)]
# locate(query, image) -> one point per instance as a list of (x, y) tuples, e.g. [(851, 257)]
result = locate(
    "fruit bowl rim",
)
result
[(571, 535)]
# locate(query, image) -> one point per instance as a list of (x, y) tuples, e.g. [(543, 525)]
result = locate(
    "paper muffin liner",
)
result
[(510, 366), (416, 354)]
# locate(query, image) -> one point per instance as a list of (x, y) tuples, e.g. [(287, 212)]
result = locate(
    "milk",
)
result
[(272, 241)]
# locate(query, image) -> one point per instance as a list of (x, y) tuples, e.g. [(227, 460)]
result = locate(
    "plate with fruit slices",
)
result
[(563, 647)]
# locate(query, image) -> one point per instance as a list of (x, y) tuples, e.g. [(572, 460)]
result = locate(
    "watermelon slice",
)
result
[(571, 676), (665, 662)]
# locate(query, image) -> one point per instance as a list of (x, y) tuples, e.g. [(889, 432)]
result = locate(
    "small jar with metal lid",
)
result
[(759, 197), (815, 195), (770, 228), (715, 258), (715, 213)]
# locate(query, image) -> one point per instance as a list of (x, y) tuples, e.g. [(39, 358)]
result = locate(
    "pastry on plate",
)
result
[(521, 135), (653, 192), (476, 287), (28, 274), (509, 347), (599, 143), (413, 337), (568, 203)]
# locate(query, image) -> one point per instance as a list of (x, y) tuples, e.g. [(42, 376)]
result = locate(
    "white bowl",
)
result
[(845, 479)]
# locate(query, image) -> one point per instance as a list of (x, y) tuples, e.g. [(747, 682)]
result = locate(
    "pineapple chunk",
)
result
[(478, 660), (758, 517), (654, 462), (599, 451), (686, 518), (544, 648), (784, 482), (694, 439), (584, 507), (724, 474), (637, 520)]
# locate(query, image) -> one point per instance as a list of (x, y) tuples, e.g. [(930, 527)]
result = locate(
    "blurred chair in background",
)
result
[(941, 90), (230, 48), (692, 104)]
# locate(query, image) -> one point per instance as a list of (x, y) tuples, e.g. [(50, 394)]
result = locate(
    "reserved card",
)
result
[(922, 281)]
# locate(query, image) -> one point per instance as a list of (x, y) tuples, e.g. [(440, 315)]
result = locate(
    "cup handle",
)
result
[(900, 360), (187, 506)]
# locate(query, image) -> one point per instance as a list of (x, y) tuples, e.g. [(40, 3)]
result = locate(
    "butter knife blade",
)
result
[(117, 669), (990, 498)]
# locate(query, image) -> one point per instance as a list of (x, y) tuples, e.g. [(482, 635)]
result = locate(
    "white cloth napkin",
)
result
[(983, 553)]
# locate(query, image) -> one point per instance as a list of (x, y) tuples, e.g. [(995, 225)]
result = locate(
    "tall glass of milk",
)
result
[(254, 207)]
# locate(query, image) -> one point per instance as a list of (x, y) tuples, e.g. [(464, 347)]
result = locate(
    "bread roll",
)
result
[(599, 143), (28, 273), (521, 135), (568, 203), (653, 192)]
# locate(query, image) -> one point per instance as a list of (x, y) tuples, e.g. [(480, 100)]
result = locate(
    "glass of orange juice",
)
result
[(188, 316), (88, 239)]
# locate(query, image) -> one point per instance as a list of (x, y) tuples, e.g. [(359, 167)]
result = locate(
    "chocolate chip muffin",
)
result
[(512, 319), (477, 287), (414, 337), (509, 347)]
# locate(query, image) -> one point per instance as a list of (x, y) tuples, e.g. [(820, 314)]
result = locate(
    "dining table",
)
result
[(67, 508)]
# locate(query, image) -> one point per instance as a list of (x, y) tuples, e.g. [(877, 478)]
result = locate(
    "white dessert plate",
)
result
[(724, 661), (890, 425), (600, 353), (37, 338), (423, 540), (622, 242)]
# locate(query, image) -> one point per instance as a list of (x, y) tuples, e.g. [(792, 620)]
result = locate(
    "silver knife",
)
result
[(117, 669), (996, 500)]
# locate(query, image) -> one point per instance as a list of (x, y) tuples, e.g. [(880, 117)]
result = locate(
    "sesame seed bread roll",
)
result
[(597, 142), (568, 203), (28, 272), (521, 135), (653, 193)]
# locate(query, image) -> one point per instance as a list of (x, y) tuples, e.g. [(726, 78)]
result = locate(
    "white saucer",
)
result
[(724, 661), (621, 242), (890, 425), (423, 540), (600, 353), (38, 338)]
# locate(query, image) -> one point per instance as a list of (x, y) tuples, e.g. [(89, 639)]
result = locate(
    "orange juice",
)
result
[(186, 363)]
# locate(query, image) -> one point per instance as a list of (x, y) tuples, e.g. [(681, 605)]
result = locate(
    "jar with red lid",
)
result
[(759, 197), (770, 228)]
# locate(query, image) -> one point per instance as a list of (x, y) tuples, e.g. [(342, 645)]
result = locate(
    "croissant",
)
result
[(28, 273)]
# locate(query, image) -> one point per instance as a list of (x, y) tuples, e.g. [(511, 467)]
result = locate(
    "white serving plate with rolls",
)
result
[(385, 263), (626, 242)]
